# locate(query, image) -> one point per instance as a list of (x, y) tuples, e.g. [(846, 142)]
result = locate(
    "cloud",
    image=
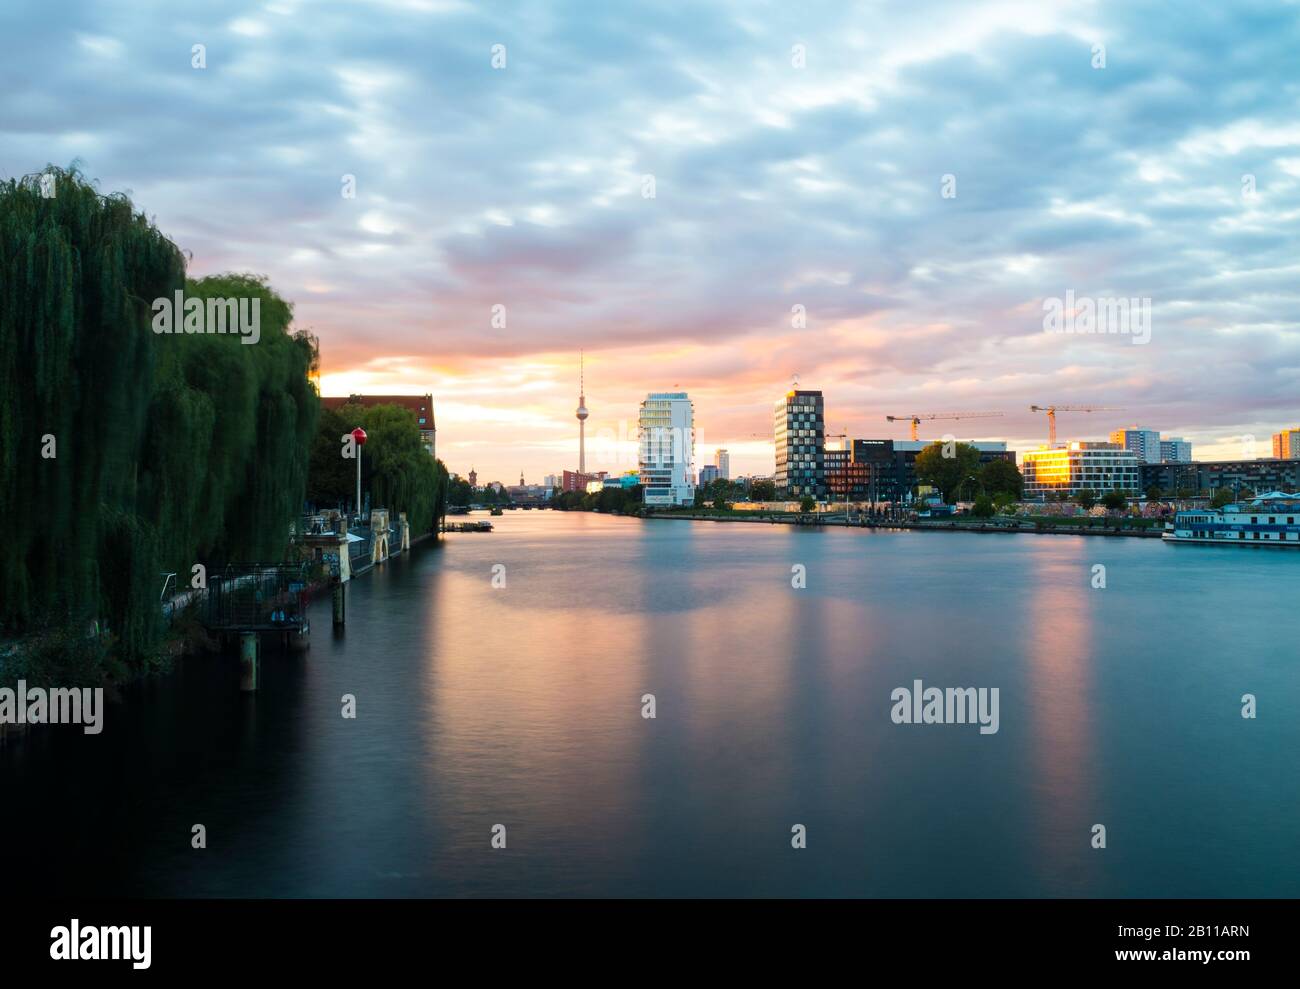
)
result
[(774, 186)]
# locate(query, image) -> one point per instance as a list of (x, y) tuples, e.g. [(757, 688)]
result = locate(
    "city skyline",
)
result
[(884, 206)]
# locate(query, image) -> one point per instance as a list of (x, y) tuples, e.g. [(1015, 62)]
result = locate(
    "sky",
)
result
[(878, 200)]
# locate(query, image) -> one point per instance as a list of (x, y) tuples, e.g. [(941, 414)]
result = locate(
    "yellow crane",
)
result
[(1051, 411), (916, 419)]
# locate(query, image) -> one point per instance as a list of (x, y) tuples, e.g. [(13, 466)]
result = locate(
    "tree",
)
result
[(983, 507), (763, 491), (1114, 501), (1086, 498), (459, 492), (1221, 497), (396, 470), (947, 473), (1002, 477), (807, 503), (1154, 493)]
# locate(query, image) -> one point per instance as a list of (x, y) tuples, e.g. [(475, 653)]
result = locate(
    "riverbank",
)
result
[(1062, 527)]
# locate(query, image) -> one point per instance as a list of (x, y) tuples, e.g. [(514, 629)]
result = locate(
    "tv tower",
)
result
[(582, 419)]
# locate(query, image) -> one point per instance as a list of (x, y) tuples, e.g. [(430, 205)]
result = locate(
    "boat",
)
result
[(497, 511), (1271, 519)]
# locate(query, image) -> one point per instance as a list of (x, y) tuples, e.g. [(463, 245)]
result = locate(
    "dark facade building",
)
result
[(848, 474), (1207, 476), (885, 470), (800, 430)]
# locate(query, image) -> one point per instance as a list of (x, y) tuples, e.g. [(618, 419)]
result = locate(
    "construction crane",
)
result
[(915, 420), (1051, 411)]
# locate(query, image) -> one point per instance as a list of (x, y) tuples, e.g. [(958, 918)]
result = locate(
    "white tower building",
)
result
[(666, 434)]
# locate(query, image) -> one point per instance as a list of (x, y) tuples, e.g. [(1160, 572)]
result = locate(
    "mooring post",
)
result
[(248, 649), (340, 603)]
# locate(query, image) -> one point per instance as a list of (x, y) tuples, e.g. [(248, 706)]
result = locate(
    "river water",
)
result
[(521, 705)]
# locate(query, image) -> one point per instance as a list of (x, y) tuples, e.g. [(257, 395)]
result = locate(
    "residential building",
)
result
[(573, 480), (1204, 477), (666, 441), (1142, 443), (1069, 468), (420, 406), (799, 423), (1286, 444), (708, 474), (1175, 451), (722, 460)]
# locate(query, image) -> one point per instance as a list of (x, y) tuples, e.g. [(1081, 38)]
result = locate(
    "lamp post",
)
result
[(359, 436)]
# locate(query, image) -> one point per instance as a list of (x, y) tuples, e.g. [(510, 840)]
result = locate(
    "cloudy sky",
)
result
[(670, 186)]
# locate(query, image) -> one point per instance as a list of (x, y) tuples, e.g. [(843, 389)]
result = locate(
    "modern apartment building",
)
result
[(1142, 443), (1069, 468), (722, 460), (1204, 477), (800, 431), (1286, 444), (1175, 451), (666, 440)]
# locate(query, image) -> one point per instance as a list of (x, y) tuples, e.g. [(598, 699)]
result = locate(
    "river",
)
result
[(521, 705)]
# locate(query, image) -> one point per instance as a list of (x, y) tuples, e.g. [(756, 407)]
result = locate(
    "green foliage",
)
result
[(1221, 497), (807, 503), (1114, 501), (948, 474), (170, 449), (396, 470), (617, 501), (983, 507), (459, 492), (763, 491), (1086, 498), (1001, 477)]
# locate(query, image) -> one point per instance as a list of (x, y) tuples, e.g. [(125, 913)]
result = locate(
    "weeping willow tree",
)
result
[(125, 454), (230, 432)]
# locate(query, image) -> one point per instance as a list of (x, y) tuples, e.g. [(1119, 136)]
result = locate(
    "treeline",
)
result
[(625, 501), (396, 470), (125, 454)]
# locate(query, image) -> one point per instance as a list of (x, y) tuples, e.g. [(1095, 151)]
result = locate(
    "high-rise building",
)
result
[(722, 460), (1286, 444), (1075, 467), (582, 418), (1142, 443), (708, 474), (473, 478), (1175, 451), (800, 430), (666, 439)]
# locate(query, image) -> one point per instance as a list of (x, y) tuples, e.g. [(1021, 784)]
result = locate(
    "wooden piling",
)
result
[(248, 659)]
